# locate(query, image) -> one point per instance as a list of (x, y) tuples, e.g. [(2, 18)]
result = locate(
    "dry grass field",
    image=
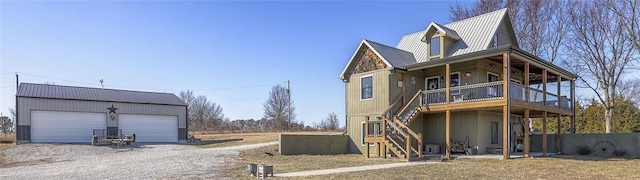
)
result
[(7, 138), (294, 163), (209, 140), (562, 167), (3, 160)]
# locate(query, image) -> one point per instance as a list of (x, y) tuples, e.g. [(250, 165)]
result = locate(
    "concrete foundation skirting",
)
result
[(297, 144)]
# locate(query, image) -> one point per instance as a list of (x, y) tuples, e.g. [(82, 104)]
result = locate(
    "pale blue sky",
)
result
[(213, 48)]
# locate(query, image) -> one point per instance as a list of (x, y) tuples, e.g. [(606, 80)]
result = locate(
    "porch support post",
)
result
[(527, 142), (505, 132), (405, 80), (544, 133), (573, 106), (526, 83), (366, 151), (384, 151), (544, 86), (366, 134), (447, 83), (560, 104), (506, 111), (378, 146), (447, 139)]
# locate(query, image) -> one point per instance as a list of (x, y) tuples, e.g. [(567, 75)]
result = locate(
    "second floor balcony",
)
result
[(495, 91)]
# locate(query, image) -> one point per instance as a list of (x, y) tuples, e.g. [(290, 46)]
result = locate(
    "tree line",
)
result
[(278, 115), (598, 40)]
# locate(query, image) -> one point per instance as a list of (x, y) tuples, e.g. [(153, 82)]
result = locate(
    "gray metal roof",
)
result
[(395, 57), (96, 94), (475, 35)]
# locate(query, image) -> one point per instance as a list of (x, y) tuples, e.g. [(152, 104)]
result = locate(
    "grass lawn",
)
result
[(294, 163), (559, 167), (236, 139)]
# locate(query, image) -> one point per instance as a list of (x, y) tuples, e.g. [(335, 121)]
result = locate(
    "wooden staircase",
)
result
[(397, 137)]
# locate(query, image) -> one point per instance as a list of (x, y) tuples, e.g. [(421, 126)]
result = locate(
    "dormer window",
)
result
[(435, 46), (495, 40)]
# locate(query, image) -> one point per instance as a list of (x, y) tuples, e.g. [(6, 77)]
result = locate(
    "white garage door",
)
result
[(69, 127), (150, 128)]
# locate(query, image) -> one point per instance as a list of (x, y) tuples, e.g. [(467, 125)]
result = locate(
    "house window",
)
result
[(492, 77), (494, 133), (366, 83), (363, 132), (455, 82), (435, 46), (433, 83)]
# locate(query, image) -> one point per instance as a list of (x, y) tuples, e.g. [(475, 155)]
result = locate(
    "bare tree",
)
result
[(600, 52), (6, 125), (203, 114), (279, 109), (331, 123), (13, 113), (630, 89), (538, 25), (628, 12)]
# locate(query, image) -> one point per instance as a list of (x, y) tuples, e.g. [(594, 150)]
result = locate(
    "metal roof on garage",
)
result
[(96, 94)]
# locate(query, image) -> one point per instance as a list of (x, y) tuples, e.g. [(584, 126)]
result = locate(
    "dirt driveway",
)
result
[(142, 161)]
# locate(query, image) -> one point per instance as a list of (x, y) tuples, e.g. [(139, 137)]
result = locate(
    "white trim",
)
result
[(459, 79), (364, 42), (444, 33), (426, 81), (372, 89), (492, 73), (362, 135)]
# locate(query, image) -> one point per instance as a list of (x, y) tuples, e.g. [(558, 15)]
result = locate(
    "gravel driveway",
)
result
[(142, 161)]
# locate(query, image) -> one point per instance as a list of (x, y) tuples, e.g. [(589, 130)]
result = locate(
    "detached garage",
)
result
[(68, 114)]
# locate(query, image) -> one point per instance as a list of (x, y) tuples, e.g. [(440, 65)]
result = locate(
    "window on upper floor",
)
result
[(495, 40), (435, 46), (366, 85)]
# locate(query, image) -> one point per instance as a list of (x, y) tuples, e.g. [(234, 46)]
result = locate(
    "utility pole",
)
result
[(289, 103)]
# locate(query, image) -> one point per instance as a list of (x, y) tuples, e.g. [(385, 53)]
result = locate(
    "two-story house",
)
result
[(458, 87)]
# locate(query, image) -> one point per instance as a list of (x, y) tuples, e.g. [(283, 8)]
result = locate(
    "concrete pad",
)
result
[(350, 169)]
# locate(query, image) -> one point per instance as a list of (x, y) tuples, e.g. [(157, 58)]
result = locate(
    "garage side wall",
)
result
[(27, 105)]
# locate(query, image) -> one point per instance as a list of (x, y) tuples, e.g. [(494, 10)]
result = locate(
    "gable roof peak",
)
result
[(433, 26)]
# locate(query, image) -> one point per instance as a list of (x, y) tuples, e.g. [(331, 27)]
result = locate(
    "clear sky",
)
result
[(231, 52)]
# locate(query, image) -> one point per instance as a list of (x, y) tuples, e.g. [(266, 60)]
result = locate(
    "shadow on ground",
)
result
[(207, 142)]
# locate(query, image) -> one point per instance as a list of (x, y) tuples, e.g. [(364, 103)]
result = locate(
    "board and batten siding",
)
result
[(26, 105), (358, 110)]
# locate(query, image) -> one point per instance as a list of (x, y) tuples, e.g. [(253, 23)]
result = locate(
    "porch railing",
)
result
[(518, 92), (493, 90), (467, 93)]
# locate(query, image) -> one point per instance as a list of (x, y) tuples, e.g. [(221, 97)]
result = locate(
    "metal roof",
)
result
[(475, 35), (395, 57), (96, 94)]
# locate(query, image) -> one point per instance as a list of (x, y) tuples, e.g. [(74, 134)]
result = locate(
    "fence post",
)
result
[(408, 141), (420, 145)]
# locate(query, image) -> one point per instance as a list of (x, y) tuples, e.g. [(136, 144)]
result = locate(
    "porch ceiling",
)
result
[(535, 73)]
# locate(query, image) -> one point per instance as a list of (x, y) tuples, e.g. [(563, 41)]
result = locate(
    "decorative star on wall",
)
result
[(112, 109)]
